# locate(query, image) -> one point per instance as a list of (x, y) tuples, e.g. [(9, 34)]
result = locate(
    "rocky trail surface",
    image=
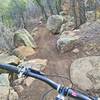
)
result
[(58, 64), (75, 55)]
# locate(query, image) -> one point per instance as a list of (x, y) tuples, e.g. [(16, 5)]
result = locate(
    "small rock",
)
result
[(19, 88), (54, 23), (23, 52), (75, 51), (28, 81), (18, 81)]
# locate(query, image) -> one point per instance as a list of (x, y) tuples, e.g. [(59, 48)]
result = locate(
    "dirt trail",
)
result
[(57, 64)]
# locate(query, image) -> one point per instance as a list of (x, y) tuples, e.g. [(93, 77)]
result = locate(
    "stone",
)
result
[(7, 92), (23, 37), (54, 23), (19, 88), (28, 81), (13, 95), (85, 73), (66, 42), (75, 51), (23, 52), (18, 81)]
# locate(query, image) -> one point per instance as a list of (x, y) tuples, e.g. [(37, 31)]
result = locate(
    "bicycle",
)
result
[(62, 91)]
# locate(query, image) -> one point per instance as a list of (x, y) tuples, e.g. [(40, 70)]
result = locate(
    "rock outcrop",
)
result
[(6, 92), (88, 40), (85, 73)]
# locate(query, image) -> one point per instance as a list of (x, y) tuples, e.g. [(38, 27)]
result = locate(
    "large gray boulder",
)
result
[(54, 23), (6, 92), (66, 42), (85, 73)]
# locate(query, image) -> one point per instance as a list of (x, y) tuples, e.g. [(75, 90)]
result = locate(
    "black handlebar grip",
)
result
[(10, 68)]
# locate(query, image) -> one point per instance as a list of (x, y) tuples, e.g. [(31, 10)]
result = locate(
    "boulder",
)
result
[(23, 51), (66, 42), (54, 23), (23, 37), (85, 73), (7, 92)]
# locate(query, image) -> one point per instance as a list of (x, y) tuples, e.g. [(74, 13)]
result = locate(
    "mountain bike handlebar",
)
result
[(63, 91)]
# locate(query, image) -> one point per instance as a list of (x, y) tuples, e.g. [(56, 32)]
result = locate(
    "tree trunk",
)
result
[(42, 8), (50, 7), (82, 11), (95, 9), (58, 5), (74, 12)]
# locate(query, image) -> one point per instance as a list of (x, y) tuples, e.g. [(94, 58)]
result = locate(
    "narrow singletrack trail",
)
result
[(58, 64)]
